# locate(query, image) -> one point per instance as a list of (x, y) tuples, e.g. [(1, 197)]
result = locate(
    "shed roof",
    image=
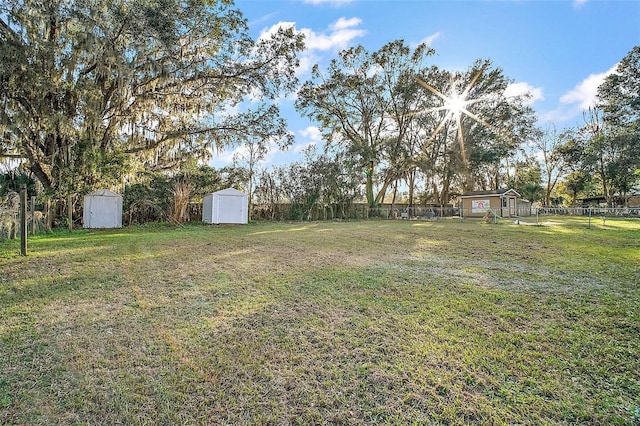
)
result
[(104, 193), (500, 192), (230, 191)]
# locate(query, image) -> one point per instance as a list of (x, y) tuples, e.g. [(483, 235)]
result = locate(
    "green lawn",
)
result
[(378, 322)]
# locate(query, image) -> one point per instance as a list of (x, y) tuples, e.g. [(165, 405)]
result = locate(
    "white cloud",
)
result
[(578, 3), (524, 88), (340, 35), (577, 100), (311, 132), (266, 33), (311, 136), (241, 153), (272, 151), (226, 156), (344, 23), (262, 19), (428, 40), (301, 147), (559, 115), (306, 63), (584, 93)]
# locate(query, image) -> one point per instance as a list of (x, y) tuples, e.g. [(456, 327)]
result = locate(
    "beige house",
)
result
[(503, 202)]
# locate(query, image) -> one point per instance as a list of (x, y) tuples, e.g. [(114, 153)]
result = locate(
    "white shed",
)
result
[(226, 206), (102, 209)]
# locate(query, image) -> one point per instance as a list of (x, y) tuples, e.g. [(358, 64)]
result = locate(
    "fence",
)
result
[(632, 212), (412, 213), (576, 217), (145, 211), (589, 216), (10, 217), (358, 211), (627, 218)]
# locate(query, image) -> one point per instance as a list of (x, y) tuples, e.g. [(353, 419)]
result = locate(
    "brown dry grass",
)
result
[(323, 323)]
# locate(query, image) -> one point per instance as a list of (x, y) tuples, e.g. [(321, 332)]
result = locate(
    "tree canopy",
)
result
[(376, 107), (612, 149), (93, 91), (90, 84), (619, 94)]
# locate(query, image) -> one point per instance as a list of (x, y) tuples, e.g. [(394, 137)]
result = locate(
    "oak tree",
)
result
[(92, 88)]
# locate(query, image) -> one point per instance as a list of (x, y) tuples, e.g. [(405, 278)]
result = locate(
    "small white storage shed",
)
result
[(226, 206), (102, 209)]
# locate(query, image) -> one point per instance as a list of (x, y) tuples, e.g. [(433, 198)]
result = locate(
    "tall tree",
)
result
[(336, 179), (527, 179), (435, 133), (612, 154), (578, 170), (362, 103), (398, 66), (504, 125), (555, 149), (89, 83), (252, 151), (619, 94), (347, 103), (575, 182), (618, 147), (478, 125), (268, 194)]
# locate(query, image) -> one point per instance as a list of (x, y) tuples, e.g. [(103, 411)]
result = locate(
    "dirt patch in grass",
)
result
[(323, 323)]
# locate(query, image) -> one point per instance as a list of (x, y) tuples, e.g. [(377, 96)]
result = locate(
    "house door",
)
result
[(512, 207)]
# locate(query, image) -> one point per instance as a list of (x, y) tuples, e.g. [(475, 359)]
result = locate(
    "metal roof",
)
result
[(103, 193), (500, 192)]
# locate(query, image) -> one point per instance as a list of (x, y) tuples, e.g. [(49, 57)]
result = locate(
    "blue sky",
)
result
[(558, 50)]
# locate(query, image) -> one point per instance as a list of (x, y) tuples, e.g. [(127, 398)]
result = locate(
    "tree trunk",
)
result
[(369, 187), (547, 196), (70, 211), (411, 181), (605, 187), (393, 199), (436, 192), (48, 217), (42, 176)]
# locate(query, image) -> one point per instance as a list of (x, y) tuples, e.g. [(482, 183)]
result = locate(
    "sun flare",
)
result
[(456, 104)]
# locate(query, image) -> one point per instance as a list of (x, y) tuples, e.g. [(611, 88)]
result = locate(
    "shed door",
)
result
[(231, 209), (512, 207), (102, 212), (207, 209)]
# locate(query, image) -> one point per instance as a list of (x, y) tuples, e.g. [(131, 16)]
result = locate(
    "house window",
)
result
[(504, 202)]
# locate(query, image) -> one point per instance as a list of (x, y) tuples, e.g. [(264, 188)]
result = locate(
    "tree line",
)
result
[(119, 94)]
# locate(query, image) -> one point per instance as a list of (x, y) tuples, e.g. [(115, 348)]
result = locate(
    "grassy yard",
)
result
[(401, 322)]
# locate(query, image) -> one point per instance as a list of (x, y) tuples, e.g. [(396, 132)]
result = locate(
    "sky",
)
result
[(558, 50)]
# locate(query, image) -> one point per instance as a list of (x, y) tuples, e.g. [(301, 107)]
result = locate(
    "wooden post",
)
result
[(23, 219)]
